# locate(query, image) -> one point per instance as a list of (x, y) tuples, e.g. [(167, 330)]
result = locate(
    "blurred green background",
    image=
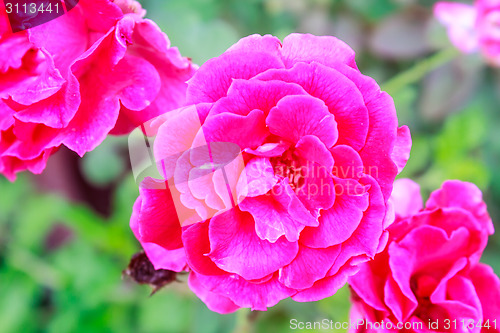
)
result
[(64, 235)]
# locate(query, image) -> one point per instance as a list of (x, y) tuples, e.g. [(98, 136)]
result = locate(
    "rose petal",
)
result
[(382, 132), (309, 266), (244, 96), (215, 302), (460, 20), (326, 50), (337, 224), (236, 248), (278, 213), (406, 198), (257, 296), (197, 246), (348, 164), (246, 131), (487, 285), (158, 221), (337, 91), (457, 194), (70, 41), (259, 178), (313, 150), (222, 70), (325, 287), (402, 146), (297, 116), (366, 239)]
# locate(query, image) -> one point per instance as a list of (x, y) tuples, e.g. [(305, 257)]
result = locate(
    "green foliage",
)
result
[(373, 10), (104, 165)]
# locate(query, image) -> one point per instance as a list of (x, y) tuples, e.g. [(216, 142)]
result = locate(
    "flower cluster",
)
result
[(276, 177), (100, 68), (473, 28), (429, 276), (277, 163)]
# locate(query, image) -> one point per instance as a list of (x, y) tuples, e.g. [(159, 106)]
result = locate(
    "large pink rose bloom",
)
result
[(429, 277), (473, 28), (278, 174), (100, 68)]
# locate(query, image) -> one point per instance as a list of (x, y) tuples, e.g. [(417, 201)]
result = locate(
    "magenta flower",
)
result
[(473, 28), (278, 174), (429, 277), (100, 68)]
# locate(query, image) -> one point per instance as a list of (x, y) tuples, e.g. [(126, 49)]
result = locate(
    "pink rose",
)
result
[(277, 176), (429, 277), (100, 68), (473, 28)]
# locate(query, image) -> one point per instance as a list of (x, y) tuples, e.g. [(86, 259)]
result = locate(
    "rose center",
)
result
[(289, 166)]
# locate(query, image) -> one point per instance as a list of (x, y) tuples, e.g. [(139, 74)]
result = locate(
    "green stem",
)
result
[(243, 322), (419, 70)]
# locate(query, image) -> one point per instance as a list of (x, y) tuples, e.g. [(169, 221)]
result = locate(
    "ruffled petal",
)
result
[(326, 50), (57, 110), (70, 41), (34, 81), (236, 248), (278, 213), (368, 286), (309, 266), (462, 195), (337, 91), (366, 239), (197, 246), (161, 258), (487, 285), (297, 116), (348, 163), (246, 131), (244, 96), (158, 221), (326, 287), (382, 130), (312, 149), (246, 294), (418, 252), (6, 116), (337, 224), (406, 198), (152, 45), (257, 43), (221, 71), (174, 137), (215, 302), (258, 178), (134, 82), (402, 147)]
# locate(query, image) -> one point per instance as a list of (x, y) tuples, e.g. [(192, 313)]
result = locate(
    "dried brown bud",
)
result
[(142, 271)]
